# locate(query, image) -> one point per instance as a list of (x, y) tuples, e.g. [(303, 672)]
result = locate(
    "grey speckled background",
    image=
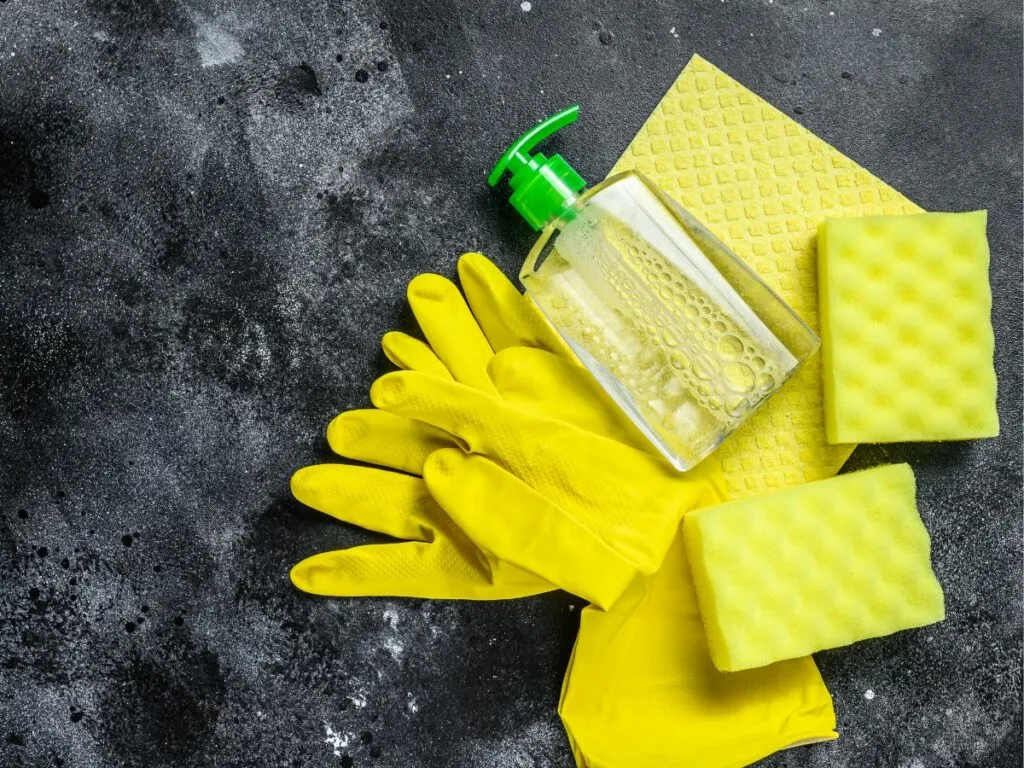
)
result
[(208, 213)]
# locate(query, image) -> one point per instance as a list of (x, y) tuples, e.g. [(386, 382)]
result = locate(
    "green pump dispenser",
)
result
[(543, 188)]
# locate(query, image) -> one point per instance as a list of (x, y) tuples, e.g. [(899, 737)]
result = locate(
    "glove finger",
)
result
[(507, 317), (531, 532), (410, 569), (411, 354), (382, 438), (450, 329), (471, 416), (386, 502), (552, 387)]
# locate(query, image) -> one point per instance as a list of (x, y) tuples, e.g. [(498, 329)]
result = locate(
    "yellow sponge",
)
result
[(816, 566), (906, 329)]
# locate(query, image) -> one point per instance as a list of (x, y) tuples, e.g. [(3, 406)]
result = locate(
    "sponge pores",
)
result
[(906, 331), (816, 566)]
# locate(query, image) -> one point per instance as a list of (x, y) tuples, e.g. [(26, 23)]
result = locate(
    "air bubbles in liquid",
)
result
[(739, 377), (729, 347), (702, 368), (679, 360)]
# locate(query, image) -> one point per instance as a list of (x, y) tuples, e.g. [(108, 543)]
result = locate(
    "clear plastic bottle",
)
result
[(684, 337)]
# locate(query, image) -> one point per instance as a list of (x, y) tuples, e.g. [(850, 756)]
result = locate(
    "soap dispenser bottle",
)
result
[(684, 337)]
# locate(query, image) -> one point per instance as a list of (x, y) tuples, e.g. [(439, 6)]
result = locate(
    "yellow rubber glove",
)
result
[(434, 559), (641, 690), (646, 658), (460, 349), (580, 510), (460, 345)]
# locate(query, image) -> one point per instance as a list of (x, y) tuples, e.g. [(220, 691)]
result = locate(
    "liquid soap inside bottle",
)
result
[(672, 341)]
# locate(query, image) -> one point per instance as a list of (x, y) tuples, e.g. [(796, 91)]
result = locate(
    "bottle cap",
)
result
[(543, 188)]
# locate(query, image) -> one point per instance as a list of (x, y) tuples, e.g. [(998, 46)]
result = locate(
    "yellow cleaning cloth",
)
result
[(906, 332), (762, 184), (813, 567)]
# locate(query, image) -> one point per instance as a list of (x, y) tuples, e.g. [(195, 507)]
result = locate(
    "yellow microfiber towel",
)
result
[(817, 566), (906, 329)]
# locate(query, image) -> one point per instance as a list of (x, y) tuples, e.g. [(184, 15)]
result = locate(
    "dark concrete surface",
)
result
[(208, 214)]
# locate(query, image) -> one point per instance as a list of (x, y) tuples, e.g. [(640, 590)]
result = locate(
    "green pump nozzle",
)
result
[(543, 188)]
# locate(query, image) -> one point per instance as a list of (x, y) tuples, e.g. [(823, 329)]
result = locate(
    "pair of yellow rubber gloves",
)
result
[(505, 471)]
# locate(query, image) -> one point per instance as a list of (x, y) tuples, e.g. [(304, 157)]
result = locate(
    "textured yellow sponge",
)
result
[(816, 566), (906, 329)]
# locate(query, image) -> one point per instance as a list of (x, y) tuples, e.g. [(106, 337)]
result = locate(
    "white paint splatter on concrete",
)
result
[(337, 741), (395, 648), (526, 6), (869, 694), (876, 32), (358, 700), (216, 45), (411, 704)]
